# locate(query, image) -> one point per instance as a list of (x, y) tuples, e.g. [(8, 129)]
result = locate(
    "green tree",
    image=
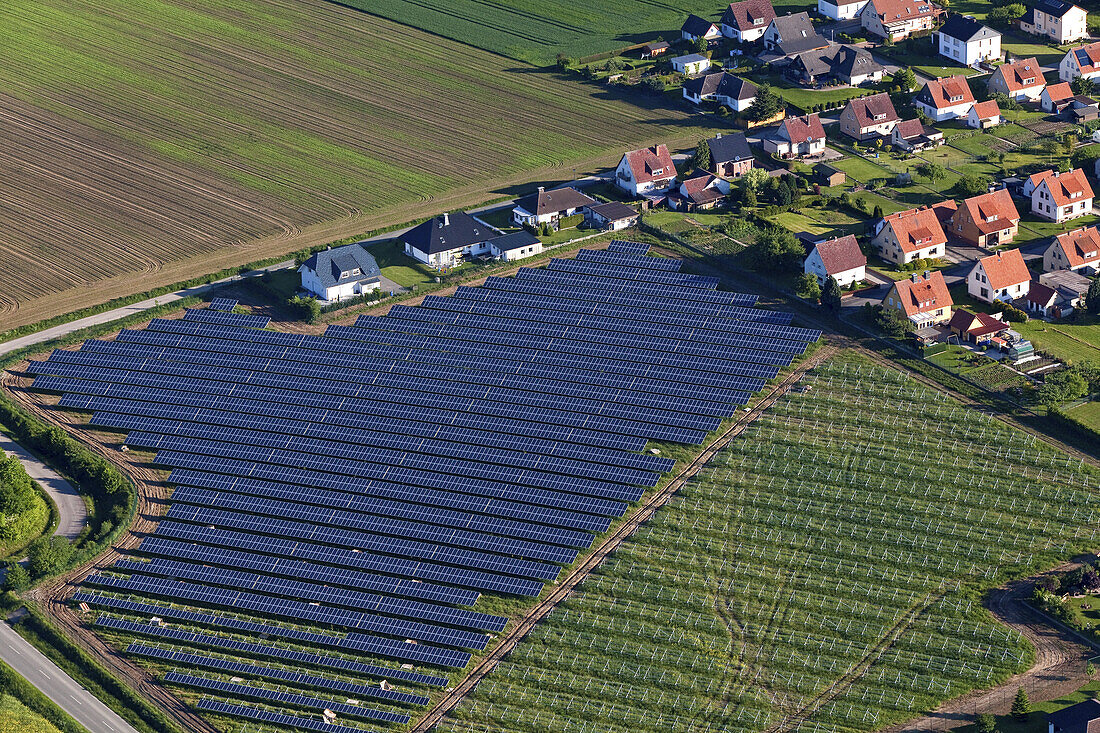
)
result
[(18, 578), (1083, 85), (1005, 16), (750, 198), (776, 250), (972, 184), (699, 45), (766, 105), (986, 723), (830, 294), (932, 171), (892, 322), (877, 212), (906, 79), (1021, 706), (49, 555), (1092, 297), (16, 489), (808, 287), (702, 155), (1062, 386), (754, 178)]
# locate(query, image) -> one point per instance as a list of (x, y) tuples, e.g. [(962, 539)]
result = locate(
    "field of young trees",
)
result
[(149, 141), (824, 573)]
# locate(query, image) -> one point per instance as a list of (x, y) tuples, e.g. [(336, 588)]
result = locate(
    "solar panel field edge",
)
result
[(628, 247), (250, 713)]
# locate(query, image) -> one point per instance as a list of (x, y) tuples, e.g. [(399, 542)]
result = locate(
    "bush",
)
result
[(1012, 314), (307, 309), (807, 287), (18, 578), (49, 555)]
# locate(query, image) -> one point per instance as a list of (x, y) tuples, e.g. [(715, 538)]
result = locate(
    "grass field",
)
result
[(258, 127), (1088, 413), (821, 547), (820, 221), (15, 717), (1073, 342)]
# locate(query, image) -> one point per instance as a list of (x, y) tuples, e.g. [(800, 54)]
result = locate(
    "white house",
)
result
[(840, 9), (337, 274), (1058, 20), (1055, 96), (703, 190), (448, 240), (841, 259), (966, 41), (646, 171), (945, 99), (747, 20), (1078, 250), (1021, 80), (547, 207), (984, 115), (695, 28), (515, 246), (723, 88), (796, 137), (790, 34), (690, 65), (611, 216), (1059, 197), (1082, 61), (1000, 276), (897, 19)]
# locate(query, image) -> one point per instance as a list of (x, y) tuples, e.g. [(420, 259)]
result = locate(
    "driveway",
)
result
[(70, 505), (33, 666)]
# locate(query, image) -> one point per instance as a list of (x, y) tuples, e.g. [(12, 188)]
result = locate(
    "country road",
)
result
[(58, 686)]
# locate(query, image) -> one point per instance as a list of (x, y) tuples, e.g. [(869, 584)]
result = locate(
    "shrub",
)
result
[(1012, 314), (808, 287)]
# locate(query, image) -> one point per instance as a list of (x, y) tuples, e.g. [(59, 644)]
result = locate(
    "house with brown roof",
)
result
[(1059, 197), (548, 207), (747, 20), (984, 115), (1050, 302), (1000, 276), (977, 328), (655, 49), (840, 259), (866, 118), (910, 235), (721, 88), (1081, 61), (701, 191), (646, 171), (1077, 251), (839, 62), (1058, 20), (913, 135), (796, 137), (1021, 80), (945, 99), (924, 300), (897, 19), (986, 220), (827, 175), (611, 216), (1055, 96)]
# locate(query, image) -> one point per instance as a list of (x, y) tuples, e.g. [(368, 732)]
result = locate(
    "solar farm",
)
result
[(351, 511)]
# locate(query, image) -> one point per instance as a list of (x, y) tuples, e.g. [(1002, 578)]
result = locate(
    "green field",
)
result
[(15, 717), (821, 548), (1072, 342), (827, 222), (1088, 413)]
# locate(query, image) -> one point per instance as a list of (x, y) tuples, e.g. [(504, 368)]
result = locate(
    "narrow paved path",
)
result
[(58, 686), (70, 505)]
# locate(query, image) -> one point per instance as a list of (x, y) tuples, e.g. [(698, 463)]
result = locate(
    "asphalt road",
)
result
[(58, 686), (70, 506)]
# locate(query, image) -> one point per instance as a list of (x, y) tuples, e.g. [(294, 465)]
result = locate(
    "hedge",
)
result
[(13, 684)]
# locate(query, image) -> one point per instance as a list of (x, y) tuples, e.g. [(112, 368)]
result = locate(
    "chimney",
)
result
[(542, 189), (446, 219), (914, 277), (927, 273), (718, 136)]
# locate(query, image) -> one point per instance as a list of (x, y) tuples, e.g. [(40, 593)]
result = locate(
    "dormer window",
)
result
[(1075, 194), (658, 171), (1030, 81), (880, 116), (957, 98), (991, 217), (757, 21)]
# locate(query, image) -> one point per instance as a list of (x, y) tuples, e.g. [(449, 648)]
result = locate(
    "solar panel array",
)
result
[(223, 304), (341, 501)]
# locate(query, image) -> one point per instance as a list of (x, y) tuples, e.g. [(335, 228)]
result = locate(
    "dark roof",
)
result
[(748, 14), (725, 148), (1057, 8), (721, 83), (614, 211), (966, 28), (447, 232), (697, 26), (839, 60), (551, 202), (797, 33), (827, 171), (515, 240), (1084, 717), (347, 264)]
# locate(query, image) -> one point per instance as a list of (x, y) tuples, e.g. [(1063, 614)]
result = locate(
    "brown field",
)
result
[(145, 142)]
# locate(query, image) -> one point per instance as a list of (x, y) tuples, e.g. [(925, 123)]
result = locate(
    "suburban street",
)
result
[(58, 686), (73, 513)]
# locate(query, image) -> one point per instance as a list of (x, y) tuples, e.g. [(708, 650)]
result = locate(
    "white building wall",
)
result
[(947, 113)]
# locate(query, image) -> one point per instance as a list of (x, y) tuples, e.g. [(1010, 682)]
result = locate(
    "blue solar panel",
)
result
[(223, 304), (621, 259), (265, 716), (243, 320), (630, 248)]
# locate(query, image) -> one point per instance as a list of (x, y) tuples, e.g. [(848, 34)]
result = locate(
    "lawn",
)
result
[(1089, 414), (1021, 47), (936, 72), (862, 169), (136, 157), (15, 717), (1072, 342), (1033, 228), (398, 266)]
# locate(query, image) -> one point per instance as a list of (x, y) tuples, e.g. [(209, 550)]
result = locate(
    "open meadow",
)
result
[(187, 136), (822, 573)]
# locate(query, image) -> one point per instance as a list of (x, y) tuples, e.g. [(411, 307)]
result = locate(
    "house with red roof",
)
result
[(910, 235), (701, 191), (1000, 276), (897, 19), (866, 118), (796, 137), (913, 135), (1055, 96), (924, 299), (839, 258), (1021, 80), (1078, 251), (747, 20), (1081, 61), (984, 115), (646, 171), (977, 328), (1059, 197), (840, 9), (945, 99), (986, 220)]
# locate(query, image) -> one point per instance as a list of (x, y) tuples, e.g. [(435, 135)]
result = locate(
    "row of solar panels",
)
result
[(266, 716)]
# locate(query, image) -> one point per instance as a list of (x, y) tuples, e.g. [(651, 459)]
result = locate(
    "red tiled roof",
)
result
[(741, 15), (1005, 269), (1088, 57), (987, 110), (700, 189), (841, 255), (1041, 294), (1081, 246), (992, 212), (1022, 74), (896, 11), (908, 129), (801, 129), (1066, 188), (645, 163), (926, 294), (1058, 92), (975, 324), (865, 109), (949, 92), (916, 229)]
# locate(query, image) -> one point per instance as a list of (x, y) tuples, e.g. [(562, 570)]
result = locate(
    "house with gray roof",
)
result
[(838, 63), (447, 240), (791, 34), (341, 273), (547, 207), (723, 88), (515, 246)]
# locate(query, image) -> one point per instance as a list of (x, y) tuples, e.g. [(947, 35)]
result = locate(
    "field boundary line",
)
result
[(436, 714)]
